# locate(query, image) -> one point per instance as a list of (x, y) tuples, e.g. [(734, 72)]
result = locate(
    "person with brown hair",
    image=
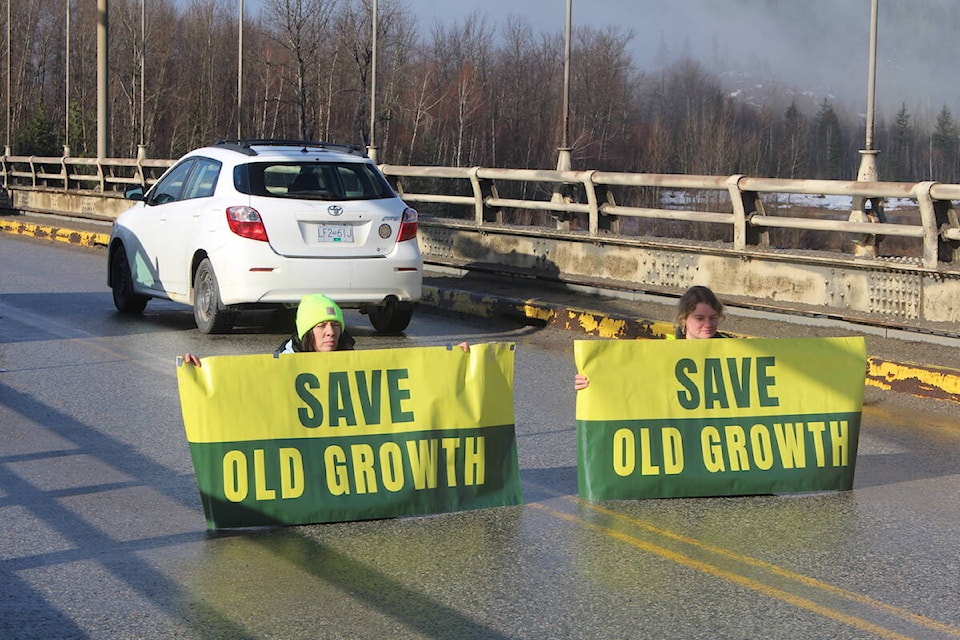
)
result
[(699, 312)]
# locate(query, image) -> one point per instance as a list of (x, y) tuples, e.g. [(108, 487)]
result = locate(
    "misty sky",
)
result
[(815, 46)]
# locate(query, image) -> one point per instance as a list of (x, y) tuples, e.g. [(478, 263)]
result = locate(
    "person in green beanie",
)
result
[(320, 328)]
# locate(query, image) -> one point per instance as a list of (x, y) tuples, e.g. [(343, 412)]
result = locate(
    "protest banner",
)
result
[(351, 435), (672, 418)]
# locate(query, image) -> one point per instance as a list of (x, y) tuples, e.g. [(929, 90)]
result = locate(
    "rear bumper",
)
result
[(351, 282)]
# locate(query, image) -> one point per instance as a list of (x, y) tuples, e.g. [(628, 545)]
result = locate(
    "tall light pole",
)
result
[(239, 67), (7, 150), (142, 147), (372, 145), (66, 92), (561, 191), (103, 80), (868, 155), (563, 157), (868, 209)]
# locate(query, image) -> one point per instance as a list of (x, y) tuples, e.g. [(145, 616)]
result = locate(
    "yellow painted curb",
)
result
[(917, 380), (57, 234)]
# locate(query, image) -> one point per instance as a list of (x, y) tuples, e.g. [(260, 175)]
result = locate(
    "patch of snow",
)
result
[(673, 197)]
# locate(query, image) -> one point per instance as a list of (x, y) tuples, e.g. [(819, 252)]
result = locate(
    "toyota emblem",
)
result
[(335, 210)]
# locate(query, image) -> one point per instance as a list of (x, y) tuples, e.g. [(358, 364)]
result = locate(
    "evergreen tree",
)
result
[(827, 143), (901, 154), (39, 138), (794, 150), (944, 145)]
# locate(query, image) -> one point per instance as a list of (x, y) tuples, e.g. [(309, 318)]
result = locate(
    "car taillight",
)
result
[(246, 223), (408, 225)]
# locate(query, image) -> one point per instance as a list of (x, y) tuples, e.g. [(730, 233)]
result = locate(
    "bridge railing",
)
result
[(104, 175), (934, 218), (596, 204)]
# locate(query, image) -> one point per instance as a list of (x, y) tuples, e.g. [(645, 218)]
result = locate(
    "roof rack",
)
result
[(245, 145)]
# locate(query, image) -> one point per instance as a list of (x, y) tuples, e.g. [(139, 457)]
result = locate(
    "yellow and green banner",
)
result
[(351, 435), (672, 418)]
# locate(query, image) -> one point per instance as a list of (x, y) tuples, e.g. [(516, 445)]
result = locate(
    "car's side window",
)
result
[(203, 180), (170, 187)]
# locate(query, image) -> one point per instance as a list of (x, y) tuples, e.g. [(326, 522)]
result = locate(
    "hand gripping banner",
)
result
[(671, 418), (351, 435)]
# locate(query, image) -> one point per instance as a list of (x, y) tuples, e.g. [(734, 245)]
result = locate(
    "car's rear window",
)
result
[(312, 180)]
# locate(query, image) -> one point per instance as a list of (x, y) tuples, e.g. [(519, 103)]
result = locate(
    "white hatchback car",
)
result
[(260, 223)]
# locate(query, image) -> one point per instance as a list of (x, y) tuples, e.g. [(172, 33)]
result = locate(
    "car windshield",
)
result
[(312, 180)]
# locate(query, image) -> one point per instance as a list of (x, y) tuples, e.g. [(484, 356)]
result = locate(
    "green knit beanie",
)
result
[(314, 309)]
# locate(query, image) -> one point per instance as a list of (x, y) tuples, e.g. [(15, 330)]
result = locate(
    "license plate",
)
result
[(334, 233)]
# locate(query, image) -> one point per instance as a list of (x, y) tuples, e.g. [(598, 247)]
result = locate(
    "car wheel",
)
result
[(391, 318), (121, 281), (209, 312)]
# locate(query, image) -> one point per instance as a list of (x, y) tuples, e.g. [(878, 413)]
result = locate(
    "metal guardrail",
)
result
[(476, 189), (68, 173), (937, 226)]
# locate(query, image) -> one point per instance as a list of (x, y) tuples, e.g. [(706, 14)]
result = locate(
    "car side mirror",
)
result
[(135, 193)]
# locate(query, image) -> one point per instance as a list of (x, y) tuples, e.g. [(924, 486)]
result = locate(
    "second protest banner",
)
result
[(672, 418)]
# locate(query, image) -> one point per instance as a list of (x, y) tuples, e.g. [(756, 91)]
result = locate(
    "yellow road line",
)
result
[(750, 583)]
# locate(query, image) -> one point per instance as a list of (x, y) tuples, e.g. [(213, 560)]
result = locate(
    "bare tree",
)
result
[(29, 62), (794, 150), (603, 90), (354, 34), (526, 94), (463, 54), (300, 27), (399, 57)]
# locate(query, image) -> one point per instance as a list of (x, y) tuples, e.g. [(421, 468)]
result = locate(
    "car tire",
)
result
[(121, 282), (391, 318), (209, 312)]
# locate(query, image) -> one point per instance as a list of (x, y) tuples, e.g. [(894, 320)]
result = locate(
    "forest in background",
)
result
[(474, 93)]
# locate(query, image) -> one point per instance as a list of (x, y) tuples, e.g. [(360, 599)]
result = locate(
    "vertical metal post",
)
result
[(240, 70), (563, 157), (372, 146), (868, 209), (7, 150), (103, 80), (66, 92), (561, 192), (868, 155), (141, 148)]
